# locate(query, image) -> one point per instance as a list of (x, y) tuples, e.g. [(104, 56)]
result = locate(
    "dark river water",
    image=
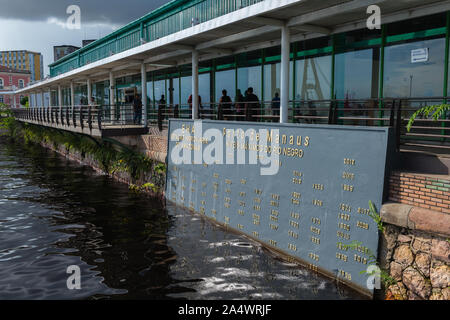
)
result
[(55, 213)]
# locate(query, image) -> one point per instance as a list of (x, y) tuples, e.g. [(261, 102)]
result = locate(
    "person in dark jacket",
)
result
[(137, 108), (276, 107), (225, 103), (251, 105)]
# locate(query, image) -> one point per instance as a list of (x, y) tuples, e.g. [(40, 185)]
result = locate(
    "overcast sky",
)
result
[(38, 25)]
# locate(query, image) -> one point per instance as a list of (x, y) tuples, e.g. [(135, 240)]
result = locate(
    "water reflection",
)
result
[(55, 213)]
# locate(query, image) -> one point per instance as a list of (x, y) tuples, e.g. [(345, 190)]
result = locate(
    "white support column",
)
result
[(60, 96), (72, 94), (195, 100), (285, 58), (36, 104), (112, 98), (50, 97), (144, 93), (60, 101), (43, 99), (89, 91)]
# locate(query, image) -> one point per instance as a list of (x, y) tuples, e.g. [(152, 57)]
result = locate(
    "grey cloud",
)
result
[(92, 11)]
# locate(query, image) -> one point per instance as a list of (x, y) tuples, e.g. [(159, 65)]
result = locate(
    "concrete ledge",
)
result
[(414, 218)]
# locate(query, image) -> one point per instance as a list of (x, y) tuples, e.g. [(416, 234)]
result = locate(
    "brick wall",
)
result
[(425, 191)]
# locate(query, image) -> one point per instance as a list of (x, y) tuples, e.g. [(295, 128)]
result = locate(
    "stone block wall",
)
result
[(424, 191), (153, 145), (415, 251)]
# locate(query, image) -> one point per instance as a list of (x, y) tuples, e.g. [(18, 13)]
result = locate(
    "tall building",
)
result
[(10, 81), (62, 51), (25, 61)]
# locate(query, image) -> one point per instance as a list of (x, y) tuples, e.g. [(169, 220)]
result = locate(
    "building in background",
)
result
[(86, 42), (62, 51), (10, 81), (25, 61)]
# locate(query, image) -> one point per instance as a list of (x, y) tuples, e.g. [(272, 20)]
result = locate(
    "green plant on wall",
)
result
[(111, 158), (436, 112), (6, 119), (372, 259), (375, 216)]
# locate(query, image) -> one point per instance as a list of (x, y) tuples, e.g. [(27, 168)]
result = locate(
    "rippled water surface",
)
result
[(55, 213)]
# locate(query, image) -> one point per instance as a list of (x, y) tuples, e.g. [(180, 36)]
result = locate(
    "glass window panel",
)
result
[(150, 92), (250, 77), (226, 80), (160, 90), (353, 75), (175, 91), (204, 88), (186, 90), (402, 78), (313, 78), (272, 74), (272, 80)]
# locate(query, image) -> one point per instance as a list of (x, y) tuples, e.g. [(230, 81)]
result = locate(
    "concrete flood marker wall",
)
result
[(316, 203)]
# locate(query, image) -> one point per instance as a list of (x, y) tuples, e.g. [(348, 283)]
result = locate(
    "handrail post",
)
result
[(99, 119), (331, 112), (176, 112), (392, 117), (398, 131), (74, 122), (81, 118), (90, 117), (67, 117), (220, 112), (160, 117)]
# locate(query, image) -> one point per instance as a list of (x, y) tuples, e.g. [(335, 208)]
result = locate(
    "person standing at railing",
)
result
[(162, 104), (225, 110), (239, 105), (276, 107), (161, 111), (137, 108), (200, 108), (251, 105)]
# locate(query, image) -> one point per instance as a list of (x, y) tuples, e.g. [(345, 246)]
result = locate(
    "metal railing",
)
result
[(83, 117), (425, 134), (155, 25)]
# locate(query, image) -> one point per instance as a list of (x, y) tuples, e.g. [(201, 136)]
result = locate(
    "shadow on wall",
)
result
[(424, 163)]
